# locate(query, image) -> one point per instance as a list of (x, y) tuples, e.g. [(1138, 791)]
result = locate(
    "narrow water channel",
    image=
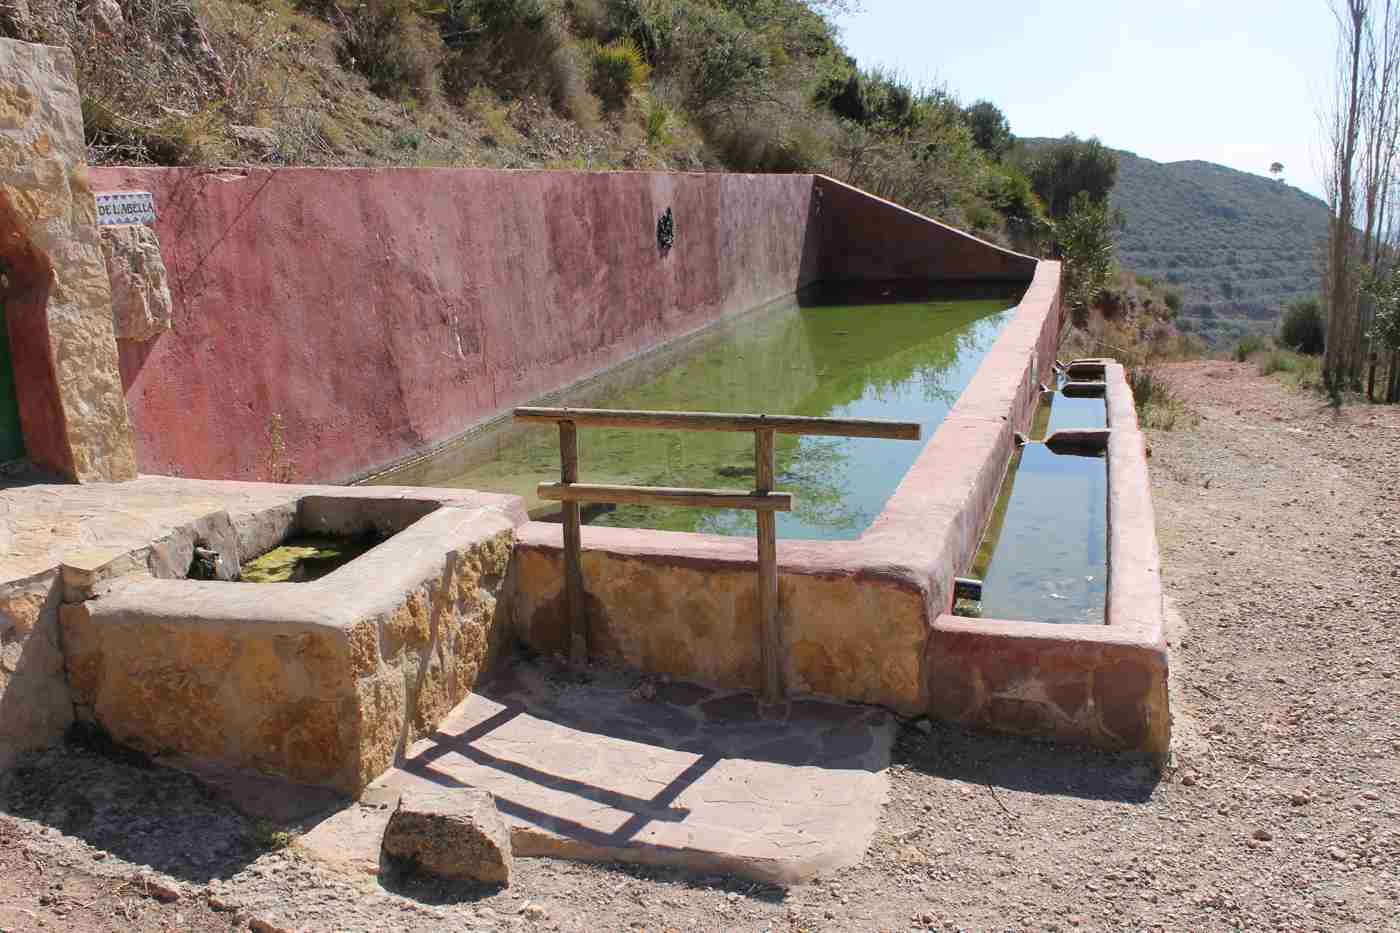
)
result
[(1043, 557), (899, 352)]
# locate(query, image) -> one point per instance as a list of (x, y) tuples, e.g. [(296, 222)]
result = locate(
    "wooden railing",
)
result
[(763, 499)]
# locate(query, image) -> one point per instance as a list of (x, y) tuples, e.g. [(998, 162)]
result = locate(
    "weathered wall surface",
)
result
[(686, 605), (58, 308), (35, 707), (383, 311), (865, 237)]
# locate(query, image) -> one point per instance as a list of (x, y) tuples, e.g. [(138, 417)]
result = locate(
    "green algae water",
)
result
[(897, 352), (303, 558)]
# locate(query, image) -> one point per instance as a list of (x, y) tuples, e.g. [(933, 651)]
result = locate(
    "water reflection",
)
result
[(1043, 556), (902, 353)]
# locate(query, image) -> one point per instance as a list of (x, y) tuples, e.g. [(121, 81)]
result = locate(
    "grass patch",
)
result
[(1249, 345), (1300, 369), (1157, 405)]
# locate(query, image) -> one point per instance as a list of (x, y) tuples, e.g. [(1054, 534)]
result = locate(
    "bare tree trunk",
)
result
[(1345, 129), (1380, 132)]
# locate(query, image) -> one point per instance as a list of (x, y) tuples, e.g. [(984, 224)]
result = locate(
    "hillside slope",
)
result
[(1237, 246)]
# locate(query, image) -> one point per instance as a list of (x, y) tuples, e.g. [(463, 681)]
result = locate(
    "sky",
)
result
[(1238, 82)]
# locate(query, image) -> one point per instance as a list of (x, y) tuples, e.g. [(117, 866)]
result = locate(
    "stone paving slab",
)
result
[(40, 523), (689, 776)]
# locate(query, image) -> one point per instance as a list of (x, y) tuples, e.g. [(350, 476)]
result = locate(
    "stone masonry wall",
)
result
[(57, 298)]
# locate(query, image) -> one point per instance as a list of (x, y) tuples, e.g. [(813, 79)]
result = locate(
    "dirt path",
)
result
[(1279, 522)]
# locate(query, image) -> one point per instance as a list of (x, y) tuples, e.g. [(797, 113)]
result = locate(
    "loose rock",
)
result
[(453, 834)]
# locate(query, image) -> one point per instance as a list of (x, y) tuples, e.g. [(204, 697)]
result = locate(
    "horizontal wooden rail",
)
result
[(667, 495), (762, 500), (717, 421)]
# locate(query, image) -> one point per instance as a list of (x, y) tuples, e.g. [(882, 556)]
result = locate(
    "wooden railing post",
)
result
[(772, 647), (763, 499), (574, 608)]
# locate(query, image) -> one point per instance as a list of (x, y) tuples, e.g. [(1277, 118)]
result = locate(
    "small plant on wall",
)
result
[(276, 467)]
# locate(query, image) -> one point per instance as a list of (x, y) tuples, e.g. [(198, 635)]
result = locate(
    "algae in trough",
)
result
[(304, 558), (899, 352)]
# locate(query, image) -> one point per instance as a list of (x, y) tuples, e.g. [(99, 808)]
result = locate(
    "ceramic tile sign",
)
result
[(125, 207)]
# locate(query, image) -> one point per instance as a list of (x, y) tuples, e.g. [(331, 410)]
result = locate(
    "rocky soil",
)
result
[(1277, 518)]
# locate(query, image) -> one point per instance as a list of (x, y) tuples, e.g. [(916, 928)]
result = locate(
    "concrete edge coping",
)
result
[(1134, 575), (940, 488), (1132, 612), (371, 584)]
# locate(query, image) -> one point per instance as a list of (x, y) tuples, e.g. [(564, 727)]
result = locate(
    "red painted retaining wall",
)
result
[(381, 312), (865, 237)]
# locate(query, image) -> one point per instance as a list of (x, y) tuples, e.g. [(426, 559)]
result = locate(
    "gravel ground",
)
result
[(1277, 518)]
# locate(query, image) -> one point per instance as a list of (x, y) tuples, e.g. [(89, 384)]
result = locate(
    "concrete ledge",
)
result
[(1101, 685), (323, 682), (868, 620), (856, 616), (1087, 684)]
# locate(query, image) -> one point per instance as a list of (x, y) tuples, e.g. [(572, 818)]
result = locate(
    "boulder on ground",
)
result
[(454, 834)]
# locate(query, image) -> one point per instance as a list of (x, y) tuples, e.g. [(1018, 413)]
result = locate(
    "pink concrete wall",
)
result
[(383, 311), (865, 237)]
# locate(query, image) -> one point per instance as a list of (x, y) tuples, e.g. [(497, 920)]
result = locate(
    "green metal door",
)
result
[(11, 440)]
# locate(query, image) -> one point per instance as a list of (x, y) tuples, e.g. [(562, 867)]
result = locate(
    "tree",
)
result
[(1084, 242), (1301, 327), (990, 129), (1276, 169), (1344, 130), (1062, 170), (1385, 323)]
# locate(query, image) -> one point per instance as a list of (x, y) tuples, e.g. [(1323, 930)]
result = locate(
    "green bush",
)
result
[(618, 69), (1249, 345), (1071, 166), (391, 45), (1302, 328), (1084, 237), (1010, 192), (1279, 361)]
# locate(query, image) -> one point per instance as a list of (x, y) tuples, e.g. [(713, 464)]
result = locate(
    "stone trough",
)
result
[(322, 682), (386, 312)]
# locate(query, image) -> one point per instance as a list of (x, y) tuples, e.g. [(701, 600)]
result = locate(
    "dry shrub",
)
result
[(589, 18), (501, 44), (391, 45), (482, 107), (569, 90)]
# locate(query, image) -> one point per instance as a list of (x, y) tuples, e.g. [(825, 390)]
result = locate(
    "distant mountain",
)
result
[(1237, 246)]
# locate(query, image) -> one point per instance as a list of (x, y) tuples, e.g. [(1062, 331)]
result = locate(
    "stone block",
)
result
[(456, 834), (141, 302), (35, 705)]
